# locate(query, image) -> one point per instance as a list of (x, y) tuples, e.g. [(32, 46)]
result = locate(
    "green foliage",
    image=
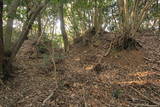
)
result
[(78, 14), (21, 14), (7, 2), (57, 41), (117, 93), (42, 49)]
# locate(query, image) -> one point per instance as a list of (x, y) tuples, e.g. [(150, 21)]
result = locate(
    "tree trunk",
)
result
[(157, 3), (7, 62), (96, 16), (1, 40), (63, 31), (159, 25), (39, 26), (26, 28), (9, 26)]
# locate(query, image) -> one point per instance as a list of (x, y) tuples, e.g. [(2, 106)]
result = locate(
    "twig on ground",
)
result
[(145, 97), (151, 61), (156, 69), (44, 101), (52, 93), (153, 91), (84, 98), (143, 105), (109, 50)]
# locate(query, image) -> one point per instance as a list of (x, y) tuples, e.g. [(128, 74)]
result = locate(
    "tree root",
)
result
[(125, 43)]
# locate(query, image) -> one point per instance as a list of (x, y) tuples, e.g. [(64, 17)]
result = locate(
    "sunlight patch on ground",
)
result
[(142, 82), (90, 67), (143, 74)]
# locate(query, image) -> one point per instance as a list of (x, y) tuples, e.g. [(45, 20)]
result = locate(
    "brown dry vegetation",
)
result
[(121, 79)]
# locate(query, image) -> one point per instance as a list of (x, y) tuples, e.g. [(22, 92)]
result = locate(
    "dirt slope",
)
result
[(122, 79)]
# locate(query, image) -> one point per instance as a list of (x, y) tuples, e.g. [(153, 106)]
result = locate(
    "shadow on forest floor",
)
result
[(122, 79)]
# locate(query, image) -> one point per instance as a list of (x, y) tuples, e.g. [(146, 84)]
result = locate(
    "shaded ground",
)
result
[(122, 79)]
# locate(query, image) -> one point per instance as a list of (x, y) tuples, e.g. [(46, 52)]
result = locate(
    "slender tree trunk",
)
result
[(52, 49), (159, 17), (63, 31), (39, 26), (1, 40), (96, 16), (9, 26), (159, 25)]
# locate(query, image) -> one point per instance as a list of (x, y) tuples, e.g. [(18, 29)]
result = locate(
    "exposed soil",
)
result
[(121, 79)]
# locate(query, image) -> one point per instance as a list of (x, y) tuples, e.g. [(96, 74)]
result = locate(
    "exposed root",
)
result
[(125, 43)]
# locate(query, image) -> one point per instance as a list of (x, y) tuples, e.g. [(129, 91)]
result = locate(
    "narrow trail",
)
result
[(111, 84)]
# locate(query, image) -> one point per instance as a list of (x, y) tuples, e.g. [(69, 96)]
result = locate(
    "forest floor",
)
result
[(121, 79)]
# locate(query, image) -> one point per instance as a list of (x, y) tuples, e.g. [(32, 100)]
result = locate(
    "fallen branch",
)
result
[(52, 93), (154, 93), (143, 105), (156, 69), (44, 101), (151, 61), (145, 97), (109, 50)]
